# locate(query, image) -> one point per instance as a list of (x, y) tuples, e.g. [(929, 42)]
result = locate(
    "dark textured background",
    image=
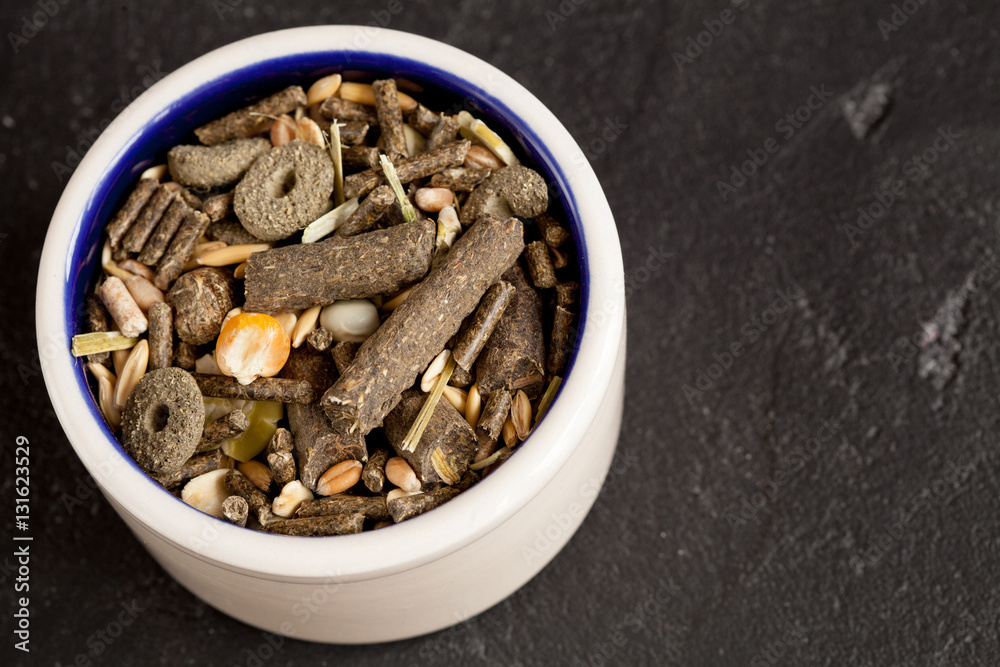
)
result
[(735, 528)]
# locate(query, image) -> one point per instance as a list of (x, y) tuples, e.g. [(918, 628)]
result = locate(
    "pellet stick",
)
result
[(217, 207), (543, 274), (552, 230), (353, 132), (471, 341), (423, 119), (343, 355), (459, 179), (320, 443), (184, 356), (261, 389), (253, 119), (238, 485), (373, 474), (390, 118), (223, 428), (409, 169), (371, 507), (96, 321), (357, 158), (390, 359), (336, 108), (560, 343), (567, 293), (320, 339), (181, 248), (198, 464), (235, 509), (310, 274), (127, 214), (364, 218), (485, 446), (164, 232), (408, 507), (144, 225), (161, 335), (444, 132), (446, 446), (318, 526), (280, 458), (189, 198), (495, 413), (122, 306), (514, 356)]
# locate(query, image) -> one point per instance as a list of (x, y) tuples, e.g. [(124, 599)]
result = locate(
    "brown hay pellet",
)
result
[(95, 320), (184, 354), (459, 179), (219, 206), (408, 507), (181, 249), (460, 377), (357, 158), (390, 118), (495, 412), (161, 335), (354, 132), (280, 457), (162, 420), (319, 443), (318, 526), (169, 223), (370, 210), (227, 426), (444, 132), (201, 299), (373, 474), (252, 119), (514, 190), (543, 274), (567, 293), (148, 219), (561, 343), (336, 108), (238, 485), (235, 510), (416, 331), (423, 120), (371, 507), (190, 198), (261, 389), (127, 214), (207, 167), (230, 232), (284, 190), (343, 355), (482, 323), (514, 356), (355, 267), (197, 465), (319, 339), (554, 233), (485, 446), (447, 435), (409, 169)]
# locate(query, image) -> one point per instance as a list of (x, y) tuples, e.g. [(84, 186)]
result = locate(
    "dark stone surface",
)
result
[(874, 546)]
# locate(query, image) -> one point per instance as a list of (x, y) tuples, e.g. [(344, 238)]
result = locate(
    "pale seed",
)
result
[(396, 494), (433, 200), (457, 397), (207, 492), (509, 433), (256, 472), (287, 320), (520, 414), (139, 269), (363, 93), (339, 478), (306, 323), (157, 171), (292, 495), (434, 370), (283, 130), (119, 357), (234, 254), (473, 406), (322, 89), (441, 466), (399, 472), (106, 393), (240, 272), (132, 372), (101, 371), (395, 302), (309, 131), (480, 157)]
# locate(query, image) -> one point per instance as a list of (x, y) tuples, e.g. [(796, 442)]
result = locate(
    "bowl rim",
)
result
[(422, 539)]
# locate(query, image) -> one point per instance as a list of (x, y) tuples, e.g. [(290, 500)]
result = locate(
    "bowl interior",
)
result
[(173, 125)]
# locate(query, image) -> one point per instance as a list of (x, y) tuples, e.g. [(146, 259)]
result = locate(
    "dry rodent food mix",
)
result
[(338, 310)]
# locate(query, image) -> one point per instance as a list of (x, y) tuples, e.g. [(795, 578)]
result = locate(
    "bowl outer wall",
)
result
[(449, 527)]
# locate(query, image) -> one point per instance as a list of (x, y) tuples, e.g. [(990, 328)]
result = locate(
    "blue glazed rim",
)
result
[(175, 124)]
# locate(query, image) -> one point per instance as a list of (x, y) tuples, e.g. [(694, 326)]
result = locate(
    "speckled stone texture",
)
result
[(825, 493)]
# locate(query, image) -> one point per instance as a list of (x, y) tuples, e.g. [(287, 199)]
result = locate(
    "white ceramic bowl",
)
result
[(429, 572)]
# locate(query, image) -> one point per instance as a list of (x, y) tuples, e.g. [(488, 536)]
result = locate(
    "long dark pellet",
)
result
[(318, 526), (390, 118), (371, 507), (423, 120), (560, 343), (471, 342), (357, 158), (181, 249), (127, 214), (409, 169), (261, 389), (495, 413), (280, 458), (96, 320), (543, 274), (239, 485), (459, 179), (408, 507), (364, 218), (373, 474), (161, 335), (444, 132), (223, 428), (198, 464), (336, 108), (447, 433), (164, 232), (248, 121), (147, 220)]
